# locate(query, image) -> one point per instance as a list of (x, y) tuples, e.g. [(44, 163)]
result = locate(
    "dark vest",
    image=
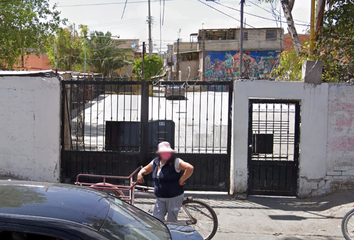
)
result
[(167, 184)]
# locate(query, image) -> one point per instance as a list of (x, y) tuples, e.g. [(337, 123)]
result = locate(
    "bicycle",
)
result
[(194, 213), (348, 225)]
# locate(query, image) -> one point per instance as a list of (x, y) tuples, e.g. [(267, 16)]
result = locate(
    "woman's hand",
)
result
[(144, 171), (188, 171), (140, 178)]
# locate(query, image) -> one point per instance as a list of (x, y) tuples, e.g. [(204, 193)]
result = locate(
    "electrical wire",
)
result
[(125, 5), (255, 15), (107, 3), (260, 7), (223, 13), (116, 23)]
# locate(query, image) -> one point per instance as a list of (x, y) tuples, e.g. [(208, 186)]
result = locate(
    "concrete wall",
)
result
[(340, 132), (185, 47), (256, 42), (30, 128), (313, 138), (194, 65)]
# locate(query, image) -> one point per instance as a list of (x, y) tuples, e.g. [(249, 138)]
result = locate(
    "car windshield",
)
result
[(129, 223)]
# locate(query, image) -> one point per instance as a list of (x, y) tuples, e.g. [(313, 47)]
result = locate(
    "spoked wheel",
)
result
[(200, 216), (348, 225)]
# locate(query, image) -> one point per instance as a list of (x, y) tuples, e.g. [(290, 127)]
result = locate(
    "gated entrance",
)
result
[(273, 140), (111, 127)]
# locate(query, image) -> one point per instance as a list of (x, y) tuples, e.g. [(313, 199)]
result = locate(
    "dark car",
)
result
[(47, 211)]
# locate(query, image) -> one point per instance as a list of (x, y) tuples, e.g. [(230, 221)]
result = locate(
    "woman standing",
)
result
[(169, 174)]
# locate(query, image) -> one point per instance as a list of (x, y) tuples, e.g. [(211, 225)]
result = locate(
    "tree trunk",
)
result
[(291, 26), (319, 15)]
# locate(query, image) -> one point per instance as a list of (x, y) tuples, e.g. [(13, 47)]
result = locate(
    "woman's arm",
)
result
[(188, 171), (145, 171)]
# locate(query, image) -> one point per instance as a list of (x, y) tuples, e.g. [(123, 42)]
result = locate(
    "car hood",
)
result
[(179, 232)]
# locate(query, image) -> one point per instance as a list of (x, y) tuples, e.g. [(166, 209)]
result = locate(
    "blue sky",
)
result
[(187, 15)]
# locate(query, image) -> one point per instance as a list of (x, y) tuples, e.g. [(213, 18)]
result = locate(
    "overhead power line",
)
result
[(269, 11), (223, 13), (107, 3), (255, 15)]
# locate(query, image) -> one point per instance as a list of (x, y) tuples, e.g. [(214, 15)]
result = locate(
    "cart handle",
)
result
[(108, 176)]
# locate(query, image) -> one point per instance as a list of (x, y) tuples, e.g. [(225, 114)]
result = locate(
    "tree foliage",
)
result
[(25, 27), (105, 53), (152, 66), (290, 64), (70, 48), (335, 47), (336, 41)]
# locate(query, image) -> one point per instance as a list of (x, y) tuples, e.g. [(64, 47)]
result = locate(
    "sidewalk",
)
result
[(276, 218)]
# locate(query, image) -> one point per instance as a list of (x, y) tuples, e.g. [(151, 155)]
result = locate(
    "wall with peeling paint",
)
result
[(30, 128), (340, 148), (326, 133)]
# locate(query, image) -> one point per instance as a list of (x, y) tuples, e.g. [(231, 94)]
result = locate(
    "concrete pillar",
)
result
[(312, 72)]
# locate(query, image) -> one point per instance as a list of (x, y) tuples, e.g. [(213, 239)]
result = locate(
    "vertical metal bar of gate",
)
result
[(144, 128), (229, 126)]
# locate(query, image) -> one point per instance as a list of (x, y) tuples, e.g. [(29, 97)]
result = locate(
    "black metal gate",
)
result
[(112, 126), (273, 140)]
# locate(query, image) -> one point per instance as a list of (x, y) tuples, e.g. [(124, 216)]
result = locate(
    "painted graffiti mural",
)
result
[(225, 65)]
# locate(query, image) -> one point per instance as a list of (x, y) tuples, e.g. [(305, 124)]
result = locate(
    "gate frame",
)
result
[(296, 143), (144, 153)]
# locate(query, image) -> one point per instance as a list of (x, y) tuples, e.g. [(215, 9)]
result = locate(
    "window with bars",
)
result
[(271, 34), (245, 36)]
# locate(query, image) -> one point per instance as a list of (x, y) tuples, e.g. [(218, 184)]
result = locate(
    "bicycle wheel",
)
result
[(348, 225), (200, 216)]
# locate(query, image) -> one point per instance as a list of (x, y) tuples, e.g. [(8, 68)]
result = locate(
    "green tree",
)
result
[(336, 41), (152, 66), (25, 27), (335, 47), (290, 64), (70, 48), (105, 54)]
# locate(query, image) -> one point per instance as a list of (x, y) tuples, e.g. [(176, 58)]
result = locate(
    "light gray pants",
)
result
[(171, 206)]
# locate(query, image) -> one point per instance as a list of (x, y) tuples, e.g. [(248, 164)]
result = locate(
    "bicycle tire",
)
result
[(212, 213), (345, 221)]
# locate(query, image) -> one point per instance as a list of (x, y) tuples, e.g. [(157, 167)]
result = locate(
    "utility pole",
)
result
[(203, 52), (312, 30), (241, 39), (85, 60), (56, 57), (149, 21), (143, 63), (177, 61)]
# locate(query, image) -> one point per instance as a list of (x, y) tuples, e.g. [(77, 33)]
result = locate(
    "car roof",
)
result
[(59, 201)]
